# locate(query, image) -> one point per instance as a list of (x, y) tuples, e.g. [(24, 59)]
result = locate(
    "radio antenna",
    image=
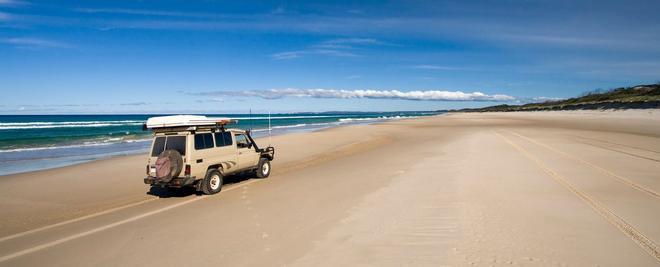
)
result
[(250, 125), (269, 134)]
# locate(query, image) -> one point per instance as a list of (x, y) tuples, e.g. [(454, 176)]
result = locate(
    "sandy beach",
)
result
[(540, 188)]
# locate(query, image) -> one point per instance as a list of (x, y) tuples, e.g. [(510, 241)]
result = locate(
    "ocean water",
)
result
[(36, 142)]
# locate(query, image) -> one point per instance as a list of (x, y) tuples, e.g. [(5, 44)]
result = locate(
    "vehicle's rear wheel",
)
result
[(263, 168), (212, 183)]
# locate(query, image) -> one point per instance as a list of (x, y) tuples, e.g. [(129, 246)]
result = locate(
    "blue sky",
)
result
[(226, 56)]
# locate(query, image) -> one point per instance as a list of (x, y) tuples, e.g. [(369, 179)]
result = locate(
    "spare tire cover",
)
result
[(168, 165)]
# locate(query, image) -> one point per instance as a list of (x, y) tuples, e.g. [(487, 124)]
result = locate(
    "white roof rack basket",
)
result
[(185, 120)]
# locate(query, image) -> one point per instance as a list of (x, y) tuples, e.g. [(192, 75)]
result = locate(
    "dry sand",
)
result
[(540, 188)]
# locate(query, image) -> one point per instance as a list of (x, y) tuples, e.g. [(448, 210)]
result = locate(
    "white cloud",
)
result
[(300, 53), (340, 47), (288, 55), (144, 12), (355, 41), (431, 95), (348, 43), (134, 104), (578, 41), (537, 99), (278, 11), (33, 42), (434, 67), (210, 100), (4, 16), (12, 3)]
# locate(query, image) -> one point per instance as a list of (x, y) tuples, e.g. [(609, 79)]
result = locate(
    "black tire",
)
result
[(263, 168), (212, 183)]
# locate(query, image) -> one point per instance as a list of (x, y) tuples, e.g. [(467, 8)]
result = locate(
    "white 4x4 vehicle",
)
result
[(198, 151)]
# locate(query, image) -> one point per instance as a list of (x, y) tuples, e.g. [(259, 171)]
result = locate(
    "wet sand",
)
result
[(540, 188)]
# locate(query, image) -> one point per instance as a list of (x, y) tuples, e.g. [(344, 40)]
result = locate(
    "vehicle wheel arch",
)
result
[(218, 167)]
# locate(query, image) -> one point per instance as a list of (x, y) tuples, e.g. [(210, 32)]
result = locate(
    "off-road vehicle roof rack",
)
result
[(179, 123)]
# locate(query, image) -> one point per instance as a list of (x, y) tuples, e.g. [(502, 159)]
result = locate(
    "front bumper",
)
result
[(175, 182)]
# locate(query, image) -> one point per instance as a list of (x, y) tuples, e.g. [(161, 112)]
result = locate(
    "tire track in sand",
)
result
[(620, 151), (77, 219), (116, 224), (644, 242), (614, 143), (607, 172)]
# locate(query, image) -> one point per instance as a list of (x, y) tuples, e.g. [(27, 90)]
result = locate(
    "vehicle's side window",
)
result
[(159, 146), (223, 139), (177, 143), (203, 141), (241, 141), (227, 137), (208, 140)]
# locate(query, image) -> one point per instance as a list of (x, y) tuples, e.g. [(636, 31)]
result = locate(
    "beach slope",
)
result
[(539, 188)]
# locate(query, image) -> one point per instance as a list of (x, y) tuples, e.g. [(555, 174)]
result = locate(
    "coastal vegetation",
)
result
[(635, 97)]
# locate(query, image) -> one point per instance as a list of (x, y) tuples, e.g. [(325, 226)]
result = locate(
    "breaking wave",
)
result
[(65, 124)]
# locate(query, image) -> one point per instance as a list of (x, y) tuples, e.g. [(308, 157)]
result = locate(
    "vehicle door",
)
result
[(225, 153), (247, 157), (203, 156)]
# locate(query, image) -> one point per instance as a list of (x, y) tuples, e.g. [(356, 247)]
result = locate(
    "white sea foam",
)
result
[(290, 126), (65, 124), (62, 122), (286, 117), (300, 125), (376, 118), (338, 122), (106, 142)]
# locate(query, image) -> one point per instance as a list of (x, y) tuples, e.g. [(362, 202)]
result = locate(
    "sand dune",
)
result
[(543, 188)]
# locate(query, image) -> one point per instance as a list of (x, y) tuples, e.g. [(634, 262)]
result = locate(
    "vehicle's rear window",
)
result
[(203, 141), (223, 139), (163, 143), (159, 146), (177, 143)]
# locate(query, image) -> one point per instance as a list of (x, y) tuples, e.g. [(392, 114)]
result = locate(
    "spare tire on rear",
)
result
[(168, 165)]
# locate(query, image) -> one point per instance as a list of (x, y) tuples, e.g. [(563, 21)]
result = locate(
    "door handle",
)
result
[(240, 153), (200, 161)]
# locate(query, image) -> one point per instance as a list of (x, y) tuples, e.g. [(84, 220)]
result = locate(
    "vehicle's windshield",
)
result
[(163, 143)]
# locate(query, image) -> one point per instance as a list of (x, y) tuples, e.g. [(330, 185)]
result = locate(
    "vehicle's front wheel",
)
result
[(263, 168), (212, 183)]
